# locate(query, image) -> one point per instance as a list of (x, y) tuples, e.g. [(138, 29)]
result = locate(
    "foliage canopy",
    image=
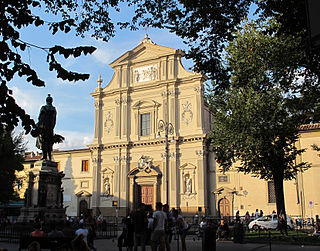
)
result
[(206, 26), (11, 159)]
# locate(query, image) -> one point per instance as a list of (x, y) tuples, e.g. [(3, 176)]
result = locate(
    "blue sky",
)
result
[(73, 101)]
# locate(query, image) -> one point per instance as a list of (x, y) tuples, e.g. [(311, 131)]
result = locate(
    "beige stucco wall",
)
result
[(76, 184), (251, 193), (169, 93)]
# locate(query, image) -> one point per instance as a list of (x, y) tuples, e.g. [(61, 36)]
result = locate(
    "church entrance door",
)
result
[(83, 207), (224, 207), (147, 195)]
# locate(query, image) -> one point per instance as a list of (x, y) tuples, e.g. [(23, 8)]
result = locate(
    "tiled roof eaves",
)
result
[(308, 127)]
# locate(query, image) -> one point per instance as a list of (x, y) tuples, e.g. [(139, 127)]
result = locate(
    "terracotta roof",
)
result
[(307, 127), (31, 158)]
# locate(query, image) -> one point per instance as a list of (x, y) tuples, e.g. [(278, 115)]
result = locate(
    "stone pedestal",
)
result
[(44, 195)]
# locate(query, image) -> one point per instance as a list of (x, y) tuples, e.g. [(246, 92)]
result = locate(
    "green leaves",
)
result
[(76, 52), (256, 118), (11, 158)]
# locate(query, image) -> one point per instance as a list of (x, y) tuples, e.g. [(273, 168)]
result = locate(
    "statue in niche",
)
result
[(188, 184), (107, 187)]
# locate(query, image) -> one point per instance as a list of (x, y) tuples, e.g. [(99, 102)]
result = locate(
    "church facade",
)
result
[(150, 144)]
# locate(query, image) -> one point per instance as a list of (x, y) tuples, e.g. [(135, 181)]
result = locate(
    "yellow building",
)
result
[(149, 141), (236, 191), (150, 144)]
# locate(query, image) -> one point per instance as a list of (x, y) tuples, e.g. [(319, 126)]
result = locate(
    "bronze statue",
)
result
[(44, 131)]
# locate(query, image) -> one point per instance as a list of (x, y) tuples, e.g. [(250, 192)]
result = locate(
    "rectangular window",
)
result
[(145, 124), (84, 167), (58, 166), (223, 178), (271, 192)]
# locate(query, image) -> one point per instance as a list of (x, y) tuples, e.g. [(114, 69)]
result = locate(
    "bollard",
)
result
[(209, 239)]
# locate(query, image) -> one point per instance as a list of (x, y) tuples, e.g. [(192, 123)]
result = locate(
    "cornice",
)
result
[(143, 143), (151, 86)]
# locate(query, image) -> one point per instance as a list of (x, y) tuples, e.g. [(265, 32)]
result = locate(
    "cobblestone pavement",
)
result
[(111, 245)]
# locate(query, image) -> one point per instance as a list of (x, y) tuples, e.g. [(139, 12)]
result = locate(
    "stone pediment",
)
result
[(138, 173), (223, 190), (83, 193), (145, 51)]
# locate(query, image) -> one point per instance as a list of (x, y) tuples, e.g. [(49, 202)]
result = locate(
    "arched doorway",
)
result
[(83, 207), (224, 207)]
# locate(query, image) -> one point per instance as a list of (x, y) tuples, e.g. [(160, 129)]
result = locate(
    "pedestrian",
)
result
[(55, 233), (68, 230), (158, 235), (261, 213), (129, 241), (196, 218), (82, 230), (256, 214), (91, 236), (79, 244), (238, 220), (140, 223), (223, 230), (247, 219), (123, 235), (282, 223), (150, 226), (37, 232), (34, 246), (168, 227), (182, 227)]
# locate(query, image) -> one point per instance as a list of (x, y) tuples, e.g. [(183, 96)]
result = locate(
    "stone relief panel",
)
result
[(145, 164), (108, 123), (145, 73), (187, 114)]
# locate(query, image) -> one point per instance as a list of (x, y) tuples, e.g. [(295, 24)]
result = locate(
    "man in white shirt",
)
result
[(158, 235)]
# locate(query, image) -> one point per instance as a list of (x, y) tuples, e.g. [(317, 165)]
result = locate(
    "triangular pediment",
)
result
[(143, 52), (223, 190), (143, 173)]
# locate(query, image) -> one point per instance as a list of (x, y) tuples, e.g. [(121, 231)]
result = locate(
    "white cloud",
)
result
[(27, 101), (74, 140), (103, 55)]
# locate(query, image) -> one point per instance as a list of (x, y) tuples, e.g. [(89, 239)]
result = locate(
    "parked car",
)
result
[(269, 221)]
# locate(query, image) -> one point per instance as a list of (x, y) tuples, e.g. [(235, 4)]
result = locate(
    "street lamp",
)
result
[(167, 128)]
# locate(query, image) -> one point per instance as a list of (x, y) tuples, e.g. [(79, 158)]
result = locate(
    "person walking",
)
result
[(183, 228), (256, 214), (261, 213), (129, 241), (168, 227), (140, 223), (158, 235), (82, 230)]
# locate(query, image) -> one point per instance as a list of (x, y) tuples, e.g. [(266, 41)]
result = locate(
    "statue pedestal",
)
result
[(44, 195)]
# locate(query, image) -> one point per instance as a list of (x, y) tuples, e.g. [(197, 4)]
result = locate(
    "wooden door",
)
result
[(147, 195), (224, 207)]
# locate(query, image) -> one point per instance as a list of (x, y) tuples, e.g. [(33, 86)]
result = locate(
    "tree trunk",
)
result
[(281, 210)]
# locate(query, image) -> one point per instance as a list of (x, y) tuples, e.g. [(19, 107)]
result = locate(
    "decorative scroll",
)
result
[(108, 124), (187, 114)]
